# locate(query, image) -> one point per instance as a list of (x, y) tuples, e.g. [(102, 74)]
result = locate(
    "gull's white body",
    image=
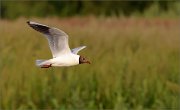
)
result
[(62, 60), (58, 43)]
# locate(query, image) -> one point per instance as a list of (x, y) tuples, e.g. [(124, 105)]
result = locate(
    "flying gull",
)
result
[(58, 43)]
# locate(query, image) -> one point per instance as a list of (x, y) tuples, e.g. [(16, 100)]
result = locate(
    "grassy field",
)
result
[(135, 65)]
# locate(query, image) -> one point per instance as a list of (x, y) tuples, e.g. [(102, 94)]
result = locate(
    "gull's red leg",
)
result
[(46, 66)]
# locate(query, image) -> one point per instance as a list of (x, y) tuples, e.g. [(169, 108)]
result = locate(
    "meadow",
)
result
[(135, 65)]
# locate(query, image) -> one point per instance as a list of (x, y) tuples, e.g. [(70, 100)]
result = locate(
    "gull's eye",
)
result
[(83, 58)]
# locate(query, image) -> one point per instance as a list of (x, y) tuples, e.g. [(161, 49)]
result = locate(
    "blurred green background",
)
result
[(133, 46), (15, 9)]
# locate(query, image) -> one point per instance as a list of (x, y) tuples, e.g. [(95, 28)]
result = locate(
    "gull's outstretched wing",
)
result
[(57, 39), (76, 50)]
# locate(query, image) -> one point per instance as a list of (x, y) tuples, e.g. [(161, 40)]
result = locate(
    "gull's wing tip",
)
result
[(39, 27), (31, 22), (35, 23), (28, 22)]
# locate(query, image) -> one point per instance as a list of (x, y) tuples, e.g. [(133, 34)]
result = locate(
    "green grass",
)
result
[(135, 65)]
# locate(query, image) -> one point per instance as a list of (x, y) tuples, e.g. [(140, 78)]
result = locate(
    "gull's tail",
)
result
[(39, 63), (43, 63)]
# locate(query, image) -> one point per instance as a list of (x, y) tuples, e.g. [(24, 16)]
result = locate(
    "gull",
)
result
[(58, 43)]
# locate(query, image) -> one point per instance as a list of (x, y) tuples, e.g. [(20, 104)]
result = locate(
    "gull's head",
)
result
[(83, 60)]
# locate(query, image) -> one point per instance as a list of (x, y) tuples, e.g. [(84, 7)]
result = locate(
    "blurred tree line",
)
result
[(14, 9)]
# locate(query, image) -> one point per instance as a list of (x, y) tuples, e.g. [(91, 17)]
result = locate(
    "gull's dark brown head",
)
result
[(83, 60)]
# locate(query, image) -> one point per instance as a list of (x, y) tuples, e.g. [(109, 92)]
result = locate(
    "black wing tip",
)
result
[(38, 27), (28, 22)]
